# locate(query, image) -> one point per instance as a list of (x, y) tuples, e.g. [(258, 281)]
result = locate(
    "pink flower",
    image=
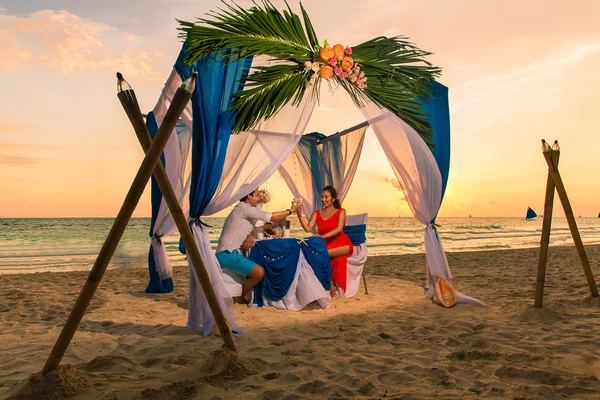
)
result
[(338, 70), (343, 75), (332, 61), (353, 78), (357, 69), (348, 50), (361, 75)]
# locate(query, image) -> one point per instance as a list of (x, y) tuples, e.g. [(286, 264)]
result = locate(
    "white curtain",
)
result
[(316, 163), (420, 179), (252, 157), (178, 168)]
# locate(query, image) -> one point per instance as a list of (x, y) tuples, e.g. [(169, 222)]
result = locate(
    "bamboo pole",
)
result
[(546, 225), (180, 100), (132, 109), (564, 199)]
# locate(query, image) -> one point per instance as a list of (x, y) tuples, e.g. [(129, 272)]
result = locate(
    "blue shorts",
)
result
[(234, 261)]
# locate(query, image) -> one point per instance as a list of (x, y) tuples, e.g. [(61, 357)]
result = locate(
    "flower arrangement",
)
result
[(335, 62), (398, 71)]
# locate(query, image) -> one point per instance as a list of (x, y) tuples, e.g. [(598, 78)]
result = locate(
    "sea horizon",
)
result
[(39, 244)]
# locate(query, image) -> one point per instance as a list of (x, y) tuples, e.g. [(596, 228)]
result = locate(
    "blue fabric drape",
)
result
[(356, 233), (155, 194), (315, 252), (156, 285), (438, 112), (219, 78), (279, 258), (325, 164)]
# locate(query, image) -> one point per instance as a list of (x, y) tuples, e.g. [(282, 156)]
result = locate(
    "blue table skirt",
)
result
[(279, 258)]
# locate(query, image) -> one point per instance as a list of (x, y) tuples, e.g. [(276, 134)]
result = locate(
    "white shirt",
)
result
[(239, 224)]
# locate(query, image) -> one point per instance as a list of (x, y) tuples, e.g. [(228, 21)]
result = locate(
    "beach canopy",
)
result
[(264, 93), (225, 167)]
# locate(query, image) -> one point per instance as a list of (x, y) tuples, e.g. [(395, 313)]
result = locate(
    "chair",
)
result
[(233, 283), (356, 227)]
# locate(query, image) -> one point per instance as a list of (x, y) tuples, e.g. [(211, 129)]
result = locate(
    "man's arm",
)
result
[(248, 242), (276, 216)]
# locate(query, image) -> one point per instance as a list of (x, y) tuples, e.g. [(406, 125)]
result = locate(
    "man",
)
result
[(237, 234)]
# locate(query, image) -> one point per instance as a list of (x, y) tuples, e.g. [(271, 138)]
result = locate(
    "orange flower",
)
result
[(326, 72), (326, 53), (338, 50), (347, 63)]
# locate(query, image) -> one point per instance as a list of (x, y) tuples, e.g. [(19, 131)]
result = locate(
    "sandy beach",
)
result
[(392, 343)]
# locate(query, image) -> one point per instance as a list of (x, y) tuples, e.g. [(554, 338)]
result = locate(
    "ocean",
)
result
[(69, 244)]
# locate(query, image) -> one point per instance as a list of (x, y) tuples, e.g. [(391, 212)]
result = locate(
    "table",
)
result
[(297, 272)]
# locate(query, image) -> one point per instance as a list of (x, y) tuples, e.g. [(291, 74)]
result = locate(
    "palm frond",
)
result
[(260, 30), (257, 31), (398, 72), (267, 90)]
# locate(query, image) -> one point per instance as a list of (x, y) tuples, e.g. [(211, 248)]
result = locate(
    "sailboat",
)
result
[(530, 214)]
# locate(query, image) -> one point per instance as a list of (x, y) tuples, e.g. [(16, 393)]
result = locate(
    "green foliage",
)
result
[(396, 69)]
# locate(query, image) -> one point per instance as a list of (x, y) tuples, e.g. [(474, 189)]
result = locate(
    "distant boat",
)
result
[(598, 215), (530, 214)]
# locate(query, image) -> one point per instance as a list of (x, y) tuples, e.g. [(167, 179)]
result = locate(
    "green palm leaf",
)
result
[(261, 30), (396, 69), (397, 73)]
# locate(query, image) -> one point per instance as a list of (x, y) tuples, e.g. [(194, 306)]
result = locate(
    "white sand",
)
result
[(392, 342)]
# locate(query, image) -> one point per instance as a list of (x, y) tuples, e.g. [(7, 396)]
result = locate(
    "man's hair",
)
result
[(246, 196)]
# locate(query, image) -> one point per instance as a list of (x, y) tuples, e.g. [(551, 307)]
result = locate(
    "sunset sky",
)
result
[(517, 72)]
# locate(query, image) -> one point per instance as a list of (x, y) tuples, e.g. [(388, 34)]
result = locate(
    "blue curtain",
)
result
[(325, 164), (218, 80), (439, 117), (156, 285)]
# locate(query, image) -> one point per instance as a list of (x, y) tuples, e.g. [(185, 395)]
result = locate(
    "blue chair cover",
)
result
[(356, 233)]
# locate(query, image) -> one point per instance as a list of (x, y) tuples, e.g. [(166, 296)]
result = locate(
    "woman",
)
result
[(330, 221)]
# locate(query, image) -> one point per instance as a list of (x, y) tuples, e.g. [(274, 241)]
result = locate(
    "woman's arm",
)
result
[(340, 225), (307, 226)]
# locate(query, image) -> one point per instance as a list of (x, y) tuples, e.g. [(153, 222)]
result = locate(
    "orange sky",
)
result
[(517, 72)]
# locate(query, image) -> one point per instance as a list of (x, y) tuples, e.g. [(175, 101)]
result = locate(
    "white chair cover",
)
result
[(356, 263)]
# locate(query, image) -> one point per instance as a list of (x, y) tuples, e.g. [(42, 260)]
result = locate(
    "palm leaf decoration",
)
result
[(396, 69)]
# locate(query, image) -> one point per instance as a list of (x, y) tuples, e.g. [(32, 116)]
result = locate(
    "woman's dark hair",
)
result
[(333, 193)]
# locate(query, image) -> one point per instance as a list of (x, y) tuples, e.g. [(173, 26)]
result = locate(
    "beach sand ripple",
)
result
[(392, 343)]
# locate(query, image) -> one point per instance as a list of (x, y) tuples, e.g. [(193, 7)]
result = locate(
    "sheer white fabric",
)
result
[(332, 161), (252, 157), (178, 168), (305, 289), (200, 317), (420, 179)]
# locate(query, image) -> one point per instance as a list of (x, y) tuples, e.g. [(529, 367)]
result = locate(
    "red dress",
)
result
[(338, 264)]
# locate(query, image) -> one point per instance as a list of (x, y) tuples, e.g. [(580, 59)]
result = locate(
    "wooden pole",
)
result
[(132, 109), (180, 100), (564, 199), (546, 225)]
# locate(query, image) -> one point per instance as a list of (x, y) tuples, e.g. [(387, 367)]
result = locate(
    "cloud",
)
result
[(68, 44), (394, 182), (22, 154), (537, 85), (6, 127)]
